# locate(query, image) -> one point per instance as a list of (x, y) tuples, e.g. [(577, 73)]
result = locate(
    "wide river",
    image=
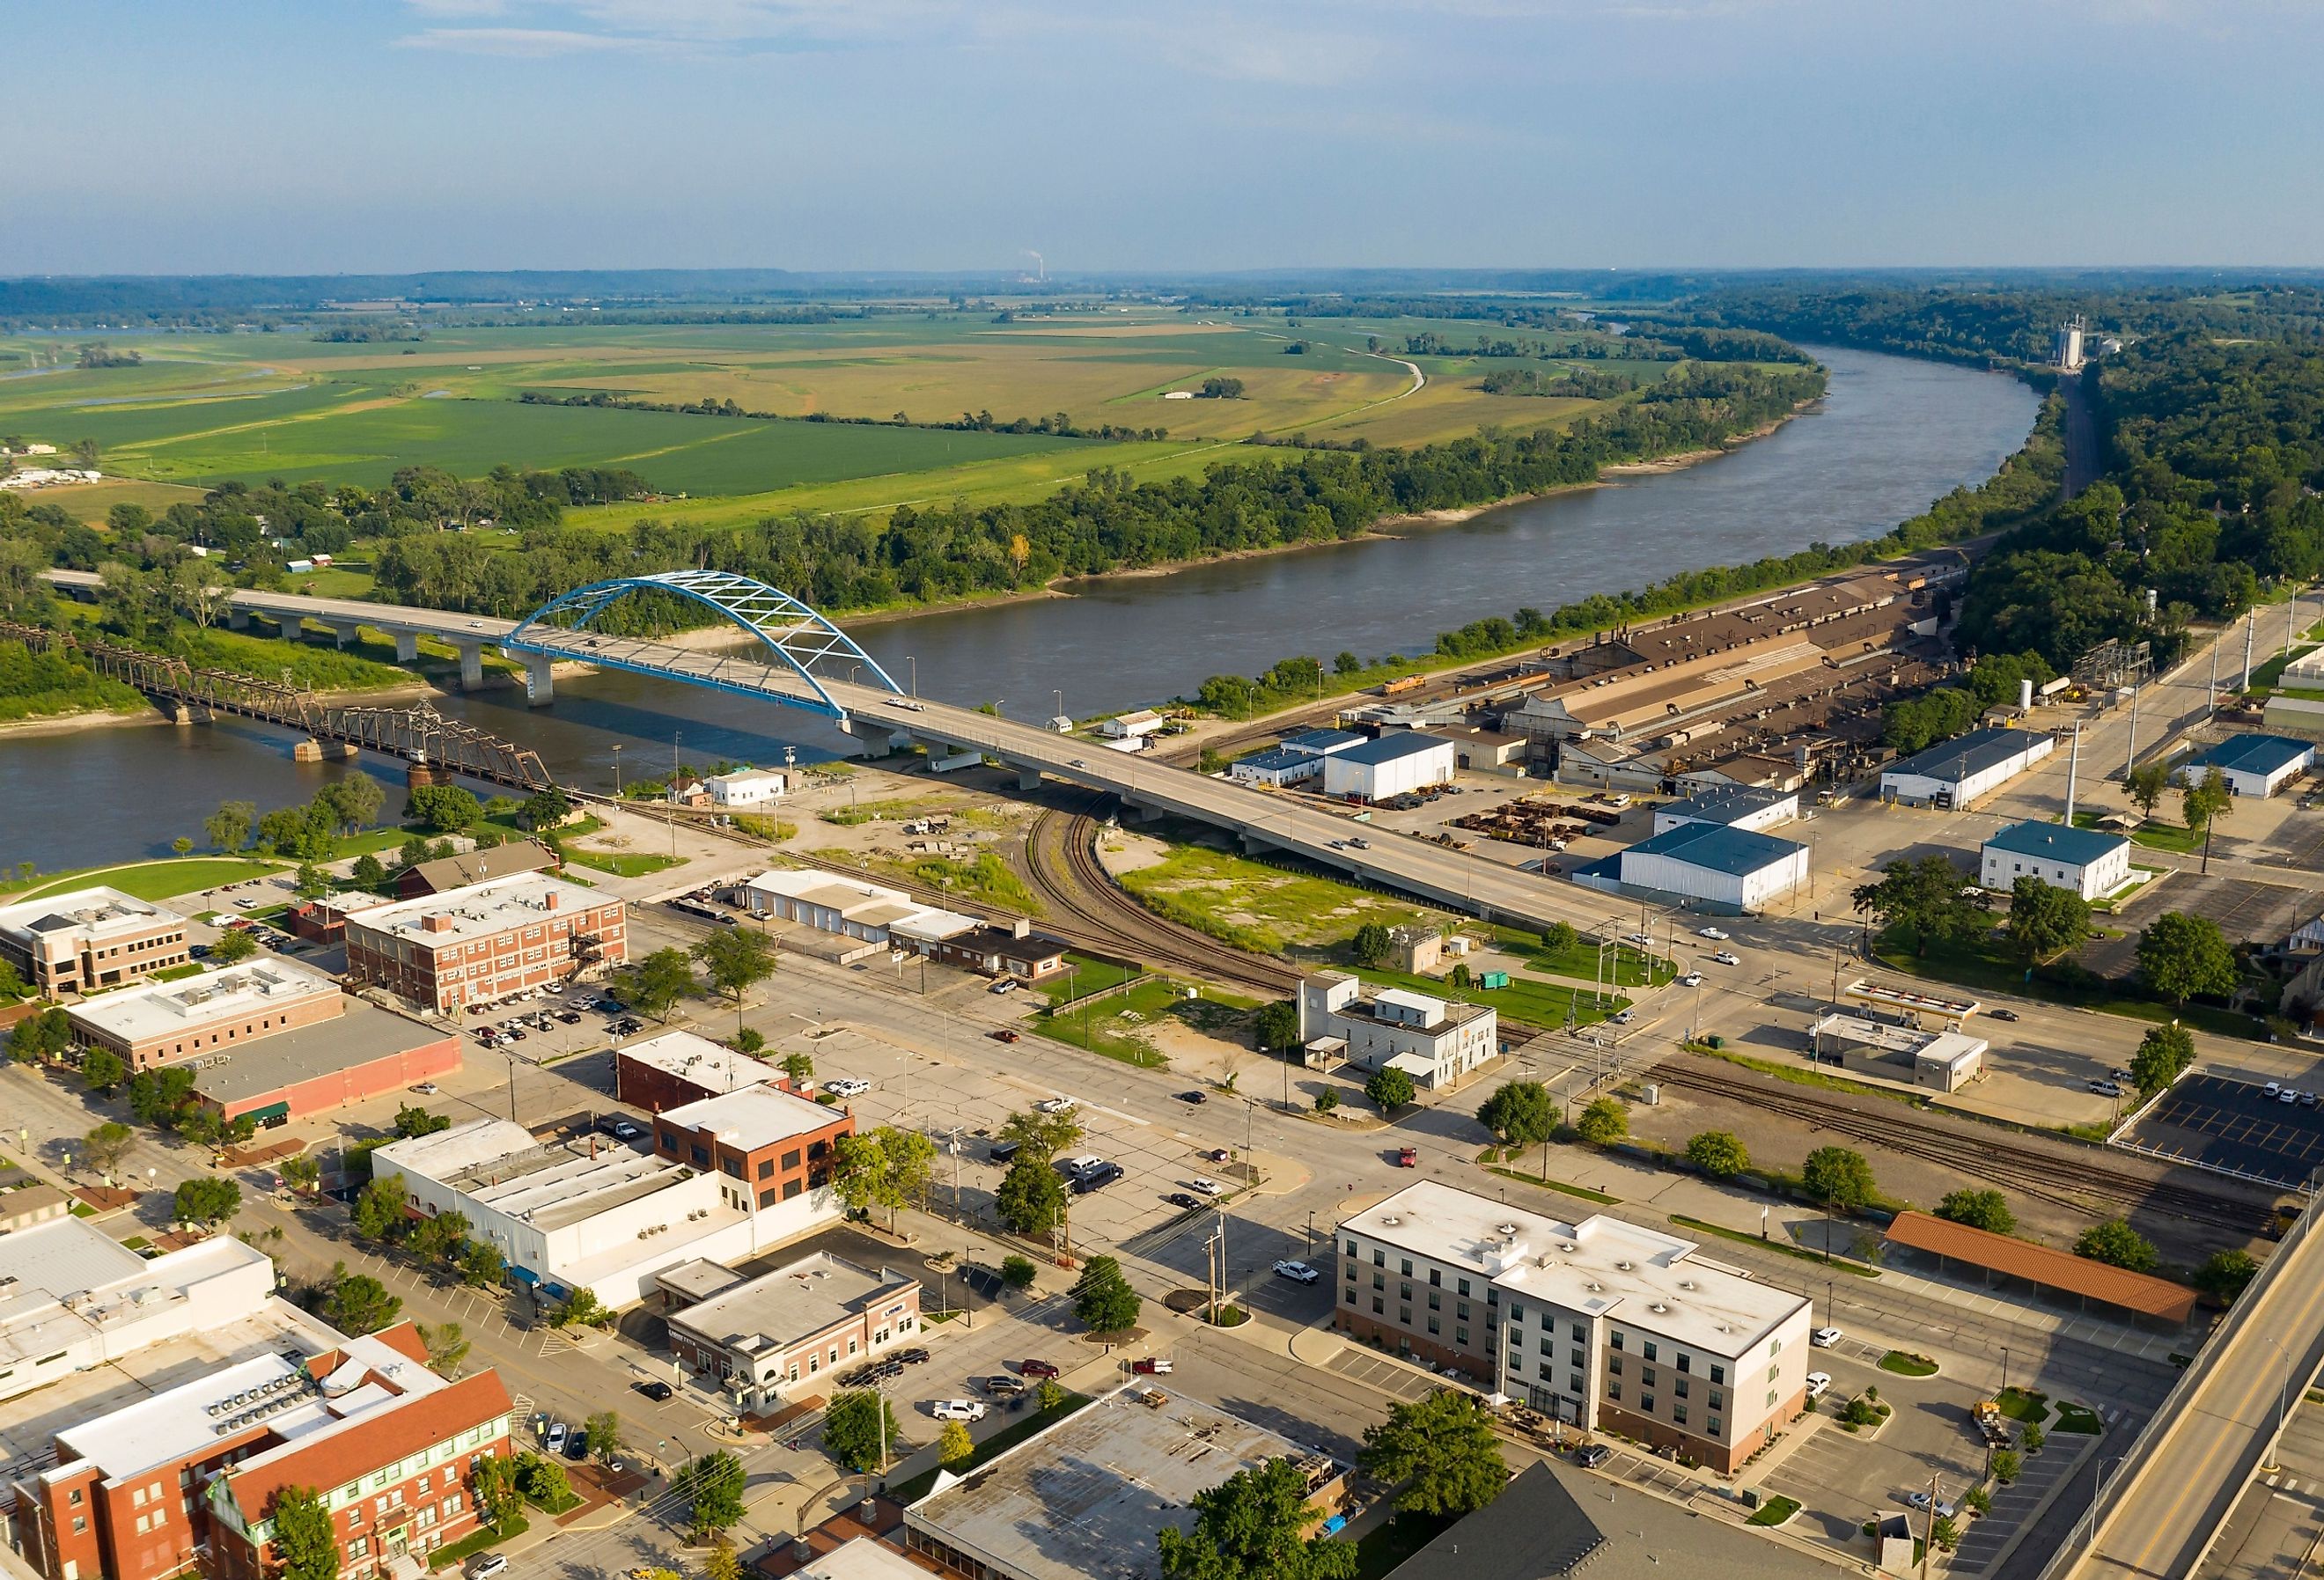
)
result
[(1892, 436)]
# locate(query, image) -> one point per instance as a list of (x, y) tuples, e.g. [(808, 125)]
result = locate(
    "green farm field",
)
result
[(203, 409)]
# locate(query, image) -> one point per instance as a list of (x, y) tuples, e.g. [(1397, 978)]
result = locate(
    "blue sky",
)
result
[(325, 136)]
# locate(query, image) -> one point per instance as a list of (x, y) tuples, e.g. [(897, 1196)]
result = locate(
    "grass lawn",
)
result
[(1263, 909), (2022, 1404), (620, 863), (2079, 1419), (190, 968), (1526, 999), (153, 879), (1723, 1232), (1116, 1027), (1980, 964), (478, 1540), (1905, 1363), (1774, 1510), (1631, 964), (993, 1448), (1087, 975), (1386, 1545), (2153, 834)]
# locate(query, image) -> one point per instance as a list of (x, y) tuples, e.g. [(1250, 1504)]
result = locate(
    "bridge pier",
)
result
[(346, 633), (237, 619), (539, 689), (407, 646), (472, 665), (1028, 779)]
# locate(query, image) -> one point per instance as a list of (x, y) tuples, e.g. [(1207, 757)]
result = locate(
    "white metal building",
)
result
[(1395, 764), (1959, 772), (2083, 860), (1276, 767), (1723, 868), (1130, 726), (751, 787), (2253, 765), (1748, 809)]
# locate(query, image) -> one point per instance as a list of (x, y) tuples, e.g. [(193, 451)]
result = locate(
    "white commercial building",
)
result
[(72, 1298), (1276, 767), (1603, 1323), (1130, 726), (1432, 1041), (1962, 770), (751, 787), (849, 907), (1751, 810), (592, 1213), (1717, 868), (2081, 861), (1395, 764), (2252, 765), (1941, 1061)]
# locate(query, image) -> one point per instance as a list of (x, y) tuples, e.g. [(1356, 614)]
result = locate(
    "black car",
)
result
[(656, 1391), (2003, 1015), (912, 1357), (571, 1017), (1193, 1096), (1591, 1457), (1179, 1198)]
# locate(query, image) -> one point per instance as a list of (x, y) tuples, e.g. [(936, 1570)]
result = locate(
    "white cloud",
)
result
[(523, 42)]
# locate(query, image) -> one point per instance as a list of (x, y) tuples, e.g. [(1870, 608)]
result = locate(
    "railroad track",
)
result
[(1989, 1157), (1061, 859)]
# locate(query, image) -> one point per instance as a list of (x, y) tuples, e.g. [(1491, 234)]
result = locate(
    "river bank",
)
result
[(1891, 436)]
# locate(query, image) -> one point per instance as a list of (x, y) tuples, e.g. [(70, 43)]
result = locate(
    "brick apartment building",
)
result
[(90, 938), (184, 1481), (768, 1144), (220, 1012), (1600, 1323), (486, 941)]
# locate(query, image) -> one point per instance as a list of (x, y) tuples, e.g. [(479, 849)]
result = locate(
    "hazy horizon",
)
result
[(386, 137)]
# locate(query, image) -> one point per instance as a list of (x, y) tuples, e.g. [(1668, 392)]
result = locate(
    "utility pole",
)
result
[(2211, 692), (2130, 760), (2073, 769), (673, 793), (2251, 624), (1929, 1546)]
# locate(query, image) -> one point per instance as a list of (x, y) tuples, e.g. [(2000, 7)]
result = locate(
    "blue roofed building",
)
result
[(2253, 765), (1708, 865), (1276, 767), (2083, 860)]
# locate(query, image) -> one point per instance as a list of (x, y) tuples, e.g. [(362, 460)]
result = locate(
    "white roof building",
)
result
[(753, 1117), (160, 1008), (696, 1060), (750, 787), (73, 1297), (479, 911)]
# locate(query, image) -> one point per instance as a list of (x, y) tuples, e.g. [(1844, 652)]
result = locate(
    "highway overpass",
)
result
[(1263, 819)]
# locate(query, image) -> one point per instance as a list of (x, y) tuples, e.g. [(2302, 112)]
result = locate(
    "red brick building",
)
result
[(768, 1144), (183, 1482), (485, 942), (678, 1068)]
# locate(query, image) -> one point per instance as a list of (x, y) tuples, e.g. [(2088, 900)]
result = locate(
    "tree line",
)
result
[(1059, 423)]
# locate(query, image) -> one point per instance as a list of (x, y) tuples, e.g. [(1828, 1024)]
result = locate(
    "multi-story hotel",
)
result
[(1602, 1324), (90, 938)]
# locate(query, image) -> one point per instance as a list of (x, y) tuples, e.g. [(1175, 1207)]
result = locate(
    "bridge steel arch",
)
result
[(794, 633)]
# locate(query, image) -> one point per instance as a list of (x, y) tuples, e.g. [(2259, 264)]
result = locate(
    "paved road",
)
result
[(2172, 1500)]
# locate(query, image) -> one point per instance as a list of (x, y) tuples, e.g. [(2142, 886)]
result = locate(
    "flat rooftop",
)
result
[(1602, 1265), (2261, 755), (1084, 1500), (95, 911), (1726, 805), (481, 911), (753, 1116), (1392, 747), (163, 1008), (361, 1034), (795, 1302), (66, 1282), (1719, 847), (712, 1065), (1963, 756)]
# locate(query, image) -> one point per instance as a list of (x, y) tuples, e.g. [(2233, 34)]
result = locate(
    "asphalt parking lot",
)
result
[(1842, 1479), (968, 1105), (2215, 1121)]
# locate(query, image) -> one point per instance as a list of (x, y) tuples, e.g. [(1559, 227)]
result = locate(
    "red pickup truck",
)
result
[(1408, 1158)]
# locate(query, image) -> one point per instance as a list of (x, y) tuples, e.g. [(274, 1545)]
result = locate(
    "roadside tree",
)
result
[(954, 1446), (232, 946), (2181, 955), (1838, 1177), (1521, 1113), (1103, 1297), (858, 1424), (603, 1431), (2146, 786), (734, 958), (2165, 1054), (106, 1145), (357, 1303), (1979, 1209), (2224, 1275), (1718, 1153), (1444, 1452), (1603, 1123), (1276, 1027), (1922, 898), (1251, 1526), (1031, 1199), (1389, 1089), (1040, 1137), (448, 1347), (207, 1201), (2117, 1244), (655, 983), (2044, 922)]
